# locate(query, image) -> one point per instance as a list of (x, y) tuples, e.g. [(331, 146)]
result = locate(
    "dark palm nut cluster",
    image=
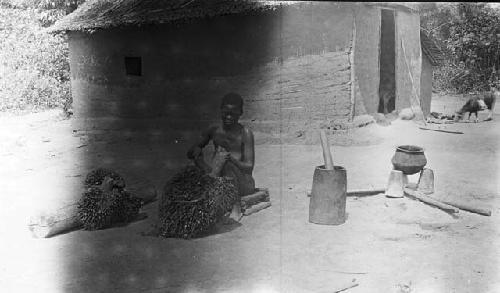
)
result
[(96, 177), (192, 202), (100, 209)]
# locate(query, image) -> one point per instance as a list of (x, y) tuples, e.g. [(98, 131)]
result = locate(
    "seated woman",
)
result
[(234, 150)]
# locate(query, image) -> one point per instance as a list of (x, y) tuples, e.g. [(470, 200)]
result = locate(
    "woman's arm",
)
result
[(248, 155), (203, 140)]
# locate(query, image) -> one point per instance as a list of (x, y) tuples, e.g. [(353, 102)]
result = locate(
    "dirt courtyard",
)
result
[(386, 245)]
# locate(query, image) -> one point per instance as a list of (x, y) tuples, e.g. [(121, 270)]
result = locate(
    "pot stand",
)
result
[(398, 181)]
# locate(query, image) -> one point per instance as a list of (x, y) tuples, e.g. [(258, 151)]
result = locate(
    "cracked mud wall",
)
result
[(290, 65)]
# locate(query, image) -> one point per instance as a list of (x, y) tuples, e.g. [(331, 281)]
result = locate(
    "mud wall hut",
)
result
[(293, 62)]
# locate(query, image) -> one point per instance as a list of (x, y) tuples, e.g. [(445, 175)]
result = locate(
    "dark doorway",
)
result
[(387, 88)]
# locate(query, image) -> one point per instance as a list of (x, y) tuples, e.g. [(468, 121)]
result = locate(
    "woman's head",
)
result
[(231, 108)]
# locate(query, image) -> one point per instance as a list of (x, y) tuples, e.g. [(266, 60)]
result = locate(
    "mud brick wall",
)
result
[(290, 65)]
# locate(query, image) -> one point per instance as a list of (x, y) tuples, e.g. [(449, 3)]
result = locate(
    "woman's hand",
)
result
[(232, 159), (219, 160), (223, 153)]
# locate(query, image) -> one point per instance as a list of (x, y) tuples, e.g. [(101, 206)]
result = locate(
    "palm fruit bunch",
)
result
[(96, 177), (105, 202), (192, 202)]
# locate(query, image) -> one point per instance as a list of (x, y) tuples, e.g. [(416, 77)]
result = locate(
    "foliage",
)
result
[(469, 34), (49, 10), (35, 65), (35, 69)]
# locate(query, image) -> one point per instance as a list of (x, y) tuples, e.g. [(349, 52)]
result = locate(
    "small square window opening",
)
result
[(133, 66)]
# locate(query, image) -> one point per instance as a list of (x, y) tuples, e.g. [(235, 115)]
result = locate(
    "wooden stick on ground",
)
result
[(441, 130), (429, 200), (344, 288), (359, 192), (365, 192), (469, 208)]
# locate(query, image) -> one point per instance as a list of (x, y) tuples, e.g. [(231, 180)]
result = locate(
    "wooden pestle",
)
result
[(327, 155)]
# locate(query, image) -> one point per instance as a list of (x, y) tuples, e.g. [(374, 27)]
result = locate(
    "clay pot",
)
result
[(409, 159)]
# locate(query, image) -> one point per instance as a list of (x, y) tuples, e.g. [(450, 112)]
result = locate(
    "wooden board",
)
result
[(252, 199), (255, 202), (256, 208)]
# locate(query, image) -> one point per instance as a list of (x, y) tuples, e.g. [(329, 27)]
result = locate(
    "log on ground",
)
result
[(65, 219)]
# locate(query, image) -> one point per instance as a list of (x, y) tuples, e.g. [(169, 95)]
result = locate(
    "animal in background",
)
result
[(476, 104), (472, 106), (490, 99)]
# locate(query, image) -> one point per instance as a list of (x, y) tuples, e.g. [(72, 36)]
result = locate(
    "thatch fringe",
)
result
[(101, 14)]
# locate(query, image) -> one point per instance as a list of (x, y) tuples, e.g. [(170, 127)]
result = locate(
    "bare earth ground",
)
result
[(387, 245)]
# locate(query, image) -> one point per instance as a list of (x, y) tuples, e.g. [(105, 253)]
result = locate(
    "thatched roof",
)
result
[(99, 14), (431, 49), (407, 6)]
